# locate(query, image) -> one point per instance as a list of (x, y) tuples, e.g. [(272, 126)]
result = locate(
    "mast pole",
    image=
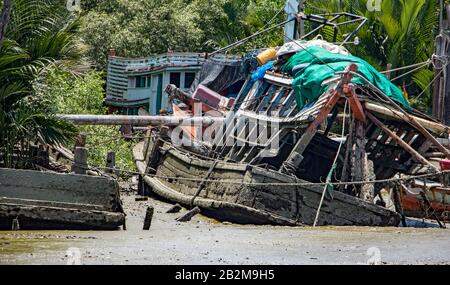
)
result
[(300, 22)]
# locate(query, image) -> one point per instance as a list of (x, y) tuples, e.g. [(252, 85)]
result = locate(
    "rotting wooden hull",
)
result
[(439, 198), (52, 201), (255, 204), (57, 218)]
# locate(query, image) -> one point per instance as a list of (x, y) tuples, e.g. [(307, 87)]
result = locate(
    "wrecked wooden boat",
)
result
[(315, 136), (34, 200), (243, 185), (246, 194)]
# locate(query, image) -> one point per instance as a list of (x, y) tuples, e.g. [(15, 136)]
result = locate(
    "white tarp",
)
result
[(294, 47)]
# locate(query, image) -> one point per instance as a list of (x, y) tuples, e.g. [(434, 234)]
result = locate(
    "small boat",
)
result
[(424, 200), (35, 200)]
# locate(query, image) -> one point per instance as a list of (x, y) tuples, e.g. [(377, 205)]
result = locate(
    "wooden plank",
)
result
[(400, 142), (311, 131), (400, 116)]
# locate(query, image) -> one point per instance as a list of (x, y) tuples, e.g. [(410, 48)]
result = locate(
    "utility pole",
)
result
[(291, 30), (441, 89), (300, 24)]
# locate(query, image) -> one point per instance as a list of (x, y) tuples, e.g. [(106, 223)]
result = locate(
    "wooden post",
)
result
[(15, 224), (80, 165), (189, 215), (446, 101), (388, 71), (441, 88), (110, 162), (148, 218), (360, 171), (80, 141), (398, 204)]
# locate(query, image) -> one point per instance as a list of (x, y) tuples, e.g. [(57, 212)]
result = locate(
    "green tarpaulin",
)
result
[(311, 66)]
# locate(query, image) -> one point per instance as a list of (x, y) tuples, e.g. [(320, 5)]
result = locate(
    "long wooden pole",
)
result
[(400, 142), (139, 120), (301, 24), (397, 115)]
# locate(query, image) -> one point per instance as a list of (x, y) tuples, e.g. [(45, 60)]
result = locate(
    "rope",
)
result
[(432, 81), (333, 168), (303, 184), (271, 20), (411, 71), (406, 67)]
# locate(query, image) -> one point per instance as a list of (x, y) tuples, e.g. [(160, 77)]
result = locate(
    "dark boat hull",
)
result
[(53, 201), (243, 197)]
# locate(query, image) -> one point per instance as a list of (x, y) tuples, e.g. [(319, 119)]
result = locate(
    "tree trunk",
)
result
[(4, 19)]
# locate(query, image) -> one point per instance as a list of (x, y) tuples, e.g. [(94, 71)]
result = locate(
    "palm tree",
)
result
[(401, 34), (37, 36)]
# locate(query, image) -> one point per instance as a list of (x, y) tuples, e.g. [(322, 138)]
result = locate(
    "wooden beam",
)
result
[(400, 142), (355, 105), (392, 114), (343, 89), (415, 123), (359, 152)]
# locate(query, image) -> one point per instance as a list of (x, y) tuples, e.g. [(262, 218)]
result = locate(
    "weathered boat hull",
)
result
[(240, 196), (48, 218), (438, 198), (52, 201)]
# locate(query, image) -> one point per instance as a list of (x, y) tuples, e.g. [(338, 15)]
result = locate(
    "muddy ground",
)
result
[(206, 241)]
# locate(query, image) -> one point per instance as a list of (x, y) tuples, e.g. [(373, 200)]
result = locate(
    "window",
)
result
[(189, 78), (132, 111), (131, 82), (140, 82), (149, 82), (175, 79)]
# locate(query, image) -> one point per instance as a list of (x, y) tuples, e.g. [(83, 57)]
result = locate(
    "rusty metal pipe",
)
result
[(119, 120)]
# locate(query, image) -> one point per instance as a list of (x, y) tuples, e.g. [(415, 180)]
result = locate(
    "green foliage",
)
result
[(103, 139), (402, 34), (36, 38), (137, 28), (72, 94)]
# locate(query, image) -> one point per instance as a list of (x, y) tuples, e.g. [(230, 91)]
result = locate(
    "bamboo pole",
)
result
[(139, 120)]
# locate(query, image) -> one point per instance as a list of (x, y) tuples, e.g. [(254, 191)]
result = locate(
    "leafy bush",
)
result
[(72, 94)]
